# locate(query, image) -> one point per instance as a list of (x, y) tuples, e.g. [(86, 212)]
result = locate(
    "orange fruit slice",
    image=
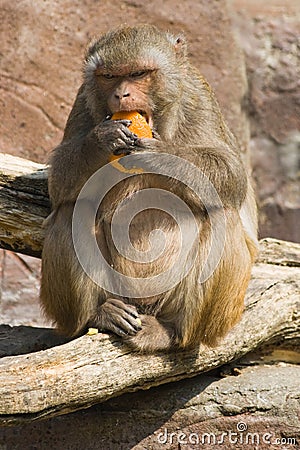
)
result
[(139, 126)]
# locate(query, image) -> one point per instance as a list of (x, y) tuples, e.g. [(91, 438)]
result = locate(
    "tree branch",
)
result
[(24, 204)]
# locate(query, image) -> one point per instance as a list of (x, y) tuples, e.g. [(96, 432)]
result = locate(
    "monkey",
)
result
[(145, 69)]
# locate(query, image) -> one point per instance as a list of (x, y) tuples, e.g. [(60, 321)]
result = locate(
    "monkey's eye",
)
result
[(138, 74), (108, 76)]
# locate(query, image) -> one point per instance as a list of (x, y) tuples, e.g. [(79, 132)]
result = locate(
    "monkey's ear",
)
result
[(179, 44), (93, 60), (91, 50)]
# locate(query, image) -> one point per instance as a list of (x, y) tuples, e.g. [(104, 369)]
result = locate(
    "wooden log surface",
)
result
[(253, 396), (92, 369), (24, 204)]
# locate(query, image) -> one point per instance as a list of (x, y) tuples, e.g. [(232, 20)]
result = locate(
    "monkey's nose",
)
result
[(122, 95)]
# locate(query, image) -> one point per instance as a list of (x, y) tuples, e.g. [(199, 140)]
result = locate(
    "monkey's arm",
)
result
[(85, 148), (67, 166), (225, 170), (221, 165)]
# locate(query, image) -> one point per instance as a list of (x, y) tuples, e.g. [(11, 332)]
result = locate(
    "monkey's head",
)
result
[(134, 69)]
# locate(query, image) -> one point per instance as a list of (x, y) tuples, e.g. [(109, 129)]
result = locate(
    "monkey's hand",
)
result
[(114, 137), (154, 144), (118, 317)]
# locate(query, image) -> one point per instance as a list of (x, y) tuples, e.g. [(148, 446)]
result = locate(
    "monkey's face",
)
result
[(126, 90), (134, 69)]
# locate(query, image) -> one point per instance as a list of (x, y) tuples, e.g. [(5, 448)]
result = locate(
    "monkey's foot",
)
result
[(116, 316), (154, 336)]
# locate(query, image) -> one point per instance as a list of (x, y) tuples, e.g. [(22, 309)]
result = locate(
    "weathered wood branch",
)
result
[(92, 369), (264, 398), (24, 204)]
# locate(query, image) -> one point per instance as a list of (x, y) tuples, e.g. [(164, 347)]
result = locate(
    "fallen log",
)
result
[(24, 204), (253, 409), (92, 369)]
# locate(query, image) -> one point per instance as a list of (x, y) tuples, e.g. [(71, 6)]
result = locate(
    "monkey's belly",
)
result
[(147, 246), (150, 245)]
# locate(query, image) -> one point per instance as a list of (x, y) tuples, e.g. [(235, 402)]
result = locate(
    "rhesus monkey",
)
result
[(144, 69)]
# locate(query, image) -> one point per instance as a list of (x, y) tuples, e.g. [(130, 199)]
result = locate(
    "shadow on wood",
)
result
[(23, 339)]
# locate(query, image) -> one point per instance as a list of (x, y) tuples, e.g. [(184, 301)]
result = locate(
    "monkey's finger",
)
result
[(117, 330), (147, 143), (120, 125), (130, 309), (129, 140), (155, 135), (127, 327), (133, 323), (127, 322), (123, 141), (125, 122), (128, 134), (133, 315)]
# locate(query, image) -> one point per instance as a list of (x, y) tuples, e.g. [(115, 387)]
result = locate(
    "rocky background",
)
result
[(248, 50), (269, 36)]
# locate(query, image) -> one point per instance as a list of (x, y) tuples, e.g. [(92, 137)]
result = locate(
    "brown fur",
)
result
[(142, 68)]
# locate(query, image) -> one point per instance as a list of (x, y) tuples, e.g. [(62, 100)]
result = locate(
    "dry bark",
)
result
[(260, 403), (24, 204)]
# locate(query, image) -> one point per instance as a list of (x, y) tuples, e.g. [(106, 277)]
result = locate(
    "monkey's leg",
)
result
[(224, 291), (68, 295), (203, 312)]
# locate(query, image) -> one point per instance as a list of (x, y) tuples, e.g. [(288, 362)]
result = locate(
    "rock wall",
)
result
[(269, 36), (42, 48)]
